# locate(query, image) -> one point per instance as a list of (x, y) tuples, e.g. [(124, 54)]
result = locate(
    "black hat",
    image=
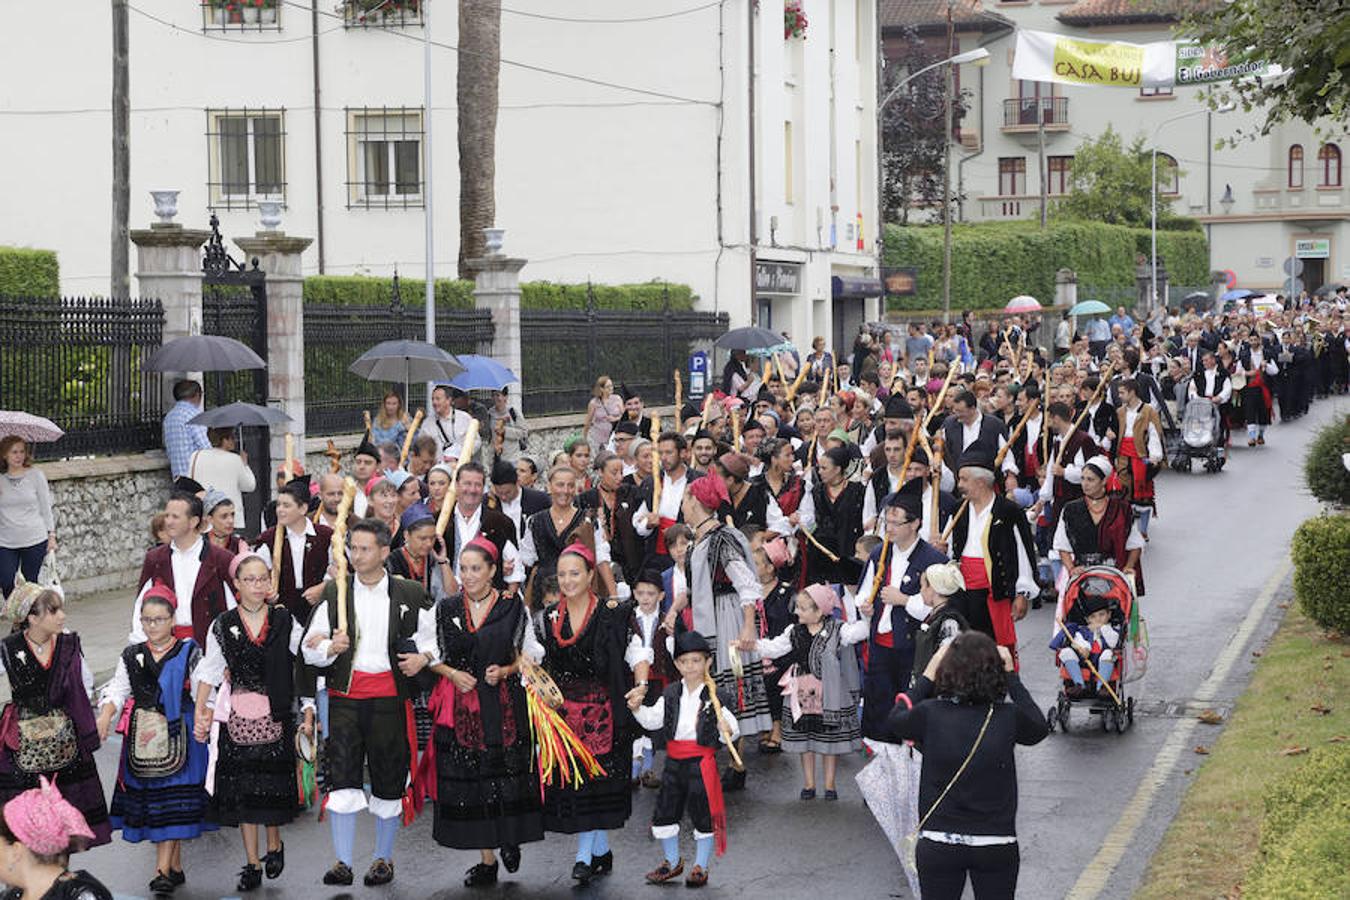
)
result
[(366, 448), (302, 481), (691, 642), (503, 472), (977, 456), (625, 393), (298, 490), (909, 498), (919, 455), (690, 410), (1092, 604), (652, 577), (184, 483), (627, 426), (897, 407), (703, 433)]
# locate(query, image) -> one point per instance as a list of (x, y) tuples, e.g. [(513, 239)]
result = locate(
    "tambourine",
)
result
[(737, 664), (307, 748), (542, 682)]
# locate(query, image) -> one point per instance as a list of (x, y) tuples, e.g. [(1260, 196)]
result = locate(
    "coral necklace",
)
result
[(564, 614)]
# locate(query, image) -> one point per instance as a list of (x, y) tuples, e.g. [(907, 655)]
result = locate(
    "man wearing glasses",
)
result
[(196, 570)]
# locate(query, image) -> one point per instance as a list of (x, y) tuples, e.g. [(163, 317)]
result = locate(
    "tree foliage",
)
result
[(1310, 39), (1111, 182), (914, 131)]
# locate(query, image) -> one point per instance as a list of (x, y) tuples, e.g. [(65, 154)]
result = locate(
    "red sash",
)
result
[(1031, 462), (1143, 485), (1000, 609), (182, 632), (972, 569), (886, 639), (661, 534), (712, 784)]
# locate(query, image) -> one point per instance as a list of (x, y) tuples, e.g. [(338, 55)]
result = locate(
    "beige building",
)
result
[(1263, 200)]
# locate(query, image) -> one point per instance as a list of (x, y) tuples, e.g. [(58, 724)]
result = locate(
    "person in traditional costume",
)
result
[(885, 481), (196, 570), (365, 465), (383, 505), (837, 504), (471, 518), (1140, 454), (420, 559), (388, 638), (479, 763), (1026, 458), (305, 557), (751, 502), (615, 503), (250, 664), (676, 476), (1259, 373), (159, 795), (510, 498), (693, 719), (1070, 448), (724, 594), (789, 490), (939, 622), (39, 830), (220, 515), (586, 646), (900, 562), (967, 426), (992, 541), (1102, 423), (549, 532), (1099, 528), (48, 729), (820, 682), (648, 592)]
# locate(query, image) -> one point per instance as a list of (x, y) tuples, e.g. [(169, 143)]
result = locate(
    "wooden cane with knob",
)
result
[(338, 549), (279, 540), (412, 433)]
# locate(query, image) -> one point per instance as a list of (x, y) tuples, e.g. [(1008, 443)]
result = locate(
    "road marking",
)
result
[(1098, 871)]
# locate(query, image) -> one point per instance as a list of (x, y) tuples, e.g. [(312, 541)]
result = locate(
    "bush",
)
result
[(1305, 834), (29, 273), (1323, 470), (360, 290), (1321, 552)]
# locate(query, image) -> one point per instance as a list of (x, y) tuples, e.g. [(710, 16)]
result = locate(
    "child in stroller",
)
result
[(1096, 641)]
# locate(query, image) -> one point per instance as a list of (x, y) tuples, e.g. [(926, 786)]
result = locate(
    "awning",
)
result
[(847, 287)]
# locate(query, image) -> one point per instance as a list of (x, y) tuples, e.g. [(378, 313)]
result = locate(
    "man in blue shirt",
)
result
[(181, 440), (1123, 319)]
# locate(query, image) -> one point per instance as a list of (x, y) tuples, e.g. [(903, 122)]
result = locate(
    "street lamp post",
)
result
[(980, 57)]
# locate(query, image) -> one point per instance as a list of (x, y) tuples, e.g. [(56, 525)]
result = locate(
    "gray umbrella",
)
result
[(203, 353), (239, 414), (406, 361), (749, 338)]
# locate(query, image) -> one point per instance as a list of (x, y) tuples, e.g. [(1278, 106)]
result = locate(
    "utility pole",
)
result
[(1040, 153), (120, 280), (947, 176), (429, 302)]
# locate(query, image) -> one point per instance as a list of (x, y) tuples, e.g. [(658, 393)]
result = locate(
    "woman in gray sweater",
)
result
[(27, 529)]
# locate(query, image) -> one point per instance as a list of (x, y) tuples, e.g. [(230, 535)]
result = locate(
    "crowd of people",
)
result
[(828, 556)]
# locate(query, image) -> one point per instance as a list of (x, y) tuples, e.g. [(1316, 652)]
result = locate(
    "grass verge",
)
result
[(1298, 700)]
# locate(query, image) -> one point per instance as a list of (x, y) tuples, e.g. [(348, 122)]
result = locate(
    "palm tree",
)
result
[(480, 50)]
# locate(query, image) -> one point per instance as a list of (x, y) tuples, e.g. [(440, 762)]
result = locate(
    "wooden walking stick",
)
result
[(366, 413), (881, 570), (338, 549), (736, 430), (679, 402), (451, 493), (1012, 439), (942, 394), (412, 433), (1091, 668), (722, 726), (279, 540), (951, 526), (797, 382), (657, 477), (1078, 422), (832, 556)]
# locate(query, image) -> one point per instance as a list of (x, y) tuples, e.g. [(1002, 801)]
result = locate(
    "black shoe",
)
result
[(481, 875), (250, 877), (161, 884), (733, 779), (582, 873), (274, 861), (381, 871), (831, 794), (603, 865), (808, 794), (511, 857), (178, 877), (341, 874), (1036, 602)]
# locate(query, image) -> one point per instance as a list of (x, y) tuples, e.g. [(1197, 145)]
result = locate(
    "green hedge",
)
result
[(29, 273), (1323, 470), (994, 261), (359, 290), (1321, 552), (1305, 833)]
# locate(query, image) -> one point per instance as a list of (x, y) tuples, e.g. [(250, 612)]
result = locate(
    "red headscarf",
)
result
[(580, 549), (710, 491), (486, 546), (161, 591)]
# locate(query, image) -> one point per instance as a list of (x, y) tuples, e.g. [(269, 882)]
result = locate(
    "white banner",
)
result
[(1043, 56)]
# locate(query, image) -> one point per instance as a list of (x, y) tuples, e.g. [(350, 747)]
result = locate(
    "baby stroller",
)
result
[(1200, 434), (1094, 585)]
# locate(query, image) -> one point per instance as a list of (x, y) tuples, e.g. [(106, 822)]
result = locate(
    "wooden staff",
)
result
[(448, 505), (833, 557), (909, 449), (366, 414), (722, 726), (679, 402), (412, 433), (707, 404), (736, 430), (338, 549), (279, 541), (797, 382), (1091, 668), (825, 387), (942, 394), (947, 532), (881, 570), (657, 476), (1012, 439), (334, 457), (1077, 423), (935, 456)]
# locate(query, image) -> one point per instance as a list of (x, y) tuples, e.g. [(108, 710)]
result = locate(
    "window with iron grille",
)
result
[(384, 157), (382, 13), (241, 15), (246, 152)]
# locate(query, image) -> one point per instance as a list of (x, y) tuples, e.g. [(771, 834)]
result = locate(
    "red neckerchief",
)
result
[(468, 612), (419, 575), (563, 613)]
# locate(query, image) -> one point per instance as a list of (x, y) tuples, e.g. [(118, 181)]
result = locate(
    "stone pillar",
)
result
[(169, 269), (1066, 288), (497, 289), (278, 255)]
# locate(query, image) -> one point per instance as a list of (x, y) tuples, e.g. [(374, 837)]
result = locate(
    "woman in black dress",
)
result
[(38, 832), (548, 531), (587, 649), (837, 503), (486, 793)]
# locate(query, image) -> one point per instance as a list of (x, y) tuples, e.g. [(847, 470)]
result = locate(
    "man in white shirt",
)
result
[(674, 476), (389, 636), (510, 499), (447, 425), (195, 569), (471, 518), (365, 463)]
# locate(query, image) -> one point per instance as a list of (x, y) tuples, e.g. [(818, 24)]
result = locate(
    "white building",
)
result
[(1262, 201), (622, 152)]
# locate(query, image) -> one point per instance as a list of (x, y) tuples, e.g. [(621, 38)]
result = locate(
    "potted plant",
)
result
[(267, 12), (794, 20), (250, 11)]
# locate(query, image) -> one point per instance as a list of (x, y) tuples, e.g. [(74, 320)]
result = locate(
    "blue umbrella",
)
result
[(1089, 308), (482, 373), (1238, 294)]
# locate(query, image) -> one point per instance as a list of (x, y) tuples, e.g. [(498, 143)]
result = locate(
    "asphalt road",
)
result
[(1220, 539)]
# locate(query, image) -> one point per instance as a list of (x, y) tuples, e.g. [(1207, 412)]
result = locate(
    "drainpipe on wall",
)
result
[(318, 134), (750, 142)]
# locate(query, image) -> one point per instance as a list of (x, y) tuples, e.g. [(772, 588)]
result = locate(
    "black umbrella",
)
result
[(749, 338), (239, 414), (203, 353), (1327, 289), (406, 361)]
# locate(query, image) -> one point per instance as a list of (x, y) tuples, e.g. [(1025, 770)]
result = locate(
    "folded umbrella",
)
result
[(203, 353)]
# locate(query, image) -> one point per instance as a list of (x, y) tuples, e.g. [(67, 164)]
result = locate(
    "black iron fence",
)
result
[(77, 361), (336, 334), (564, 351)]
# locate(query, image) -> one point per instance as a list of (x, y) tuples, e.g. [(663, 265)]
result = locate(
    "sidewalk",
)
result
[(103, 621)]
